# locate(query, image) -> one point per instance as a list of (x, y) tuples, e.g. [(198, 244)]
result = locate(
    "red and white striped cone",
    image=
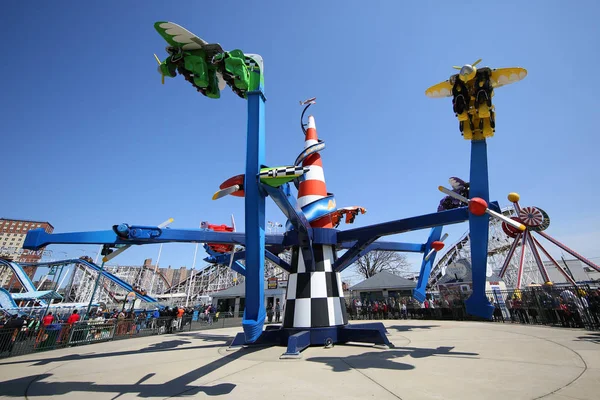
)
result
[(312, 184), (314, 299)]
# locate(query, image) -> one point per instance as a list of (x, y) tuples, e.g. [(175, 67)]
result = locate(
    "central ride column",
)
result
[(314, 298)]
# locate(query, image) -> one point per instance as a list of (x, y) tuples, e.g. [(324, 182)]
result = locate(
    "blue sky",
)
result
[(91, 138)]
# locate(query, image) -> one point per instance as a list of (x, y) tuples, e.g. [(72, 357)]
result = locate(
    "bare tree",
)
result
[(376, 261)]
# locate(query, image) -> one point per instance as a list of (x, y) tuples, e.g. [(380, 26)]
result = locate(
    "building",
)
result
[(175, 275), (12, 236), (381, 286), (580, 272), (171, 275), (234, 298)]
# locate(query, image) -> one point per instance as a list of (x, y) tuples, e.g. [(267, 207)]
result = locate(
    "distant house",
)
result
[(383, 285)]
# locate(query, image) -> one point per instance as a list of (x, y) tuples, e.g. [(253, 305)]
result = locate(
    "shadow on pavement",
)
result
[(169, 345), (34, 385), (591, 337), (406, 328), (207, 337), (385, 359)]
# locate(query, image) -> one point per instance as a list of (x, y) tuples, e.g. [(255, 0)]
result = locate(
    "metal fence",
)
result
[(25, 340), (566, 306)]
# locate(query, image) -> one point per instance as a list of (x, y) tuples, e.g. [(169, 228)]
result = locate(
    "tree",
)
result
[(376, 261)]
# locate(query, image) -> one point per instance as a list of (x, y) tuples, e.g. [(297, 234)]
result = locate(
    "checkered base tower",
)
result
[(314, 299), (315, 308)]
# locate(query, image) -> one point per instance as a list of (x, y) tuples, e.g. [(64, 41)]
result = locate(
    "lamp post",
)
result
[(192, 275), (86, 316), (155, 270), (94, 290)]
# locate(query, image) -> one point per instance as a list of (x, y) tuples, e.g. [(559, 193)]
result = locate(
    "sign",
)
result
[(496, 290), (22, 252), (283, 284), (272, 283), (457, 270)]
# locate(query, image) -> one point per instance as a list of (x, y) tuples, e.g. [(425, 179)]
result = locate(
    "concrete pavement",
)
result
[(431, 360)]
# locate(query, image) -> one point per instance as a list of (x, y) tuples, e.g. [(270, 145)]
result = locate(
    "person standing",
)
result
[(48, 319), (277, 310), (73, 318)]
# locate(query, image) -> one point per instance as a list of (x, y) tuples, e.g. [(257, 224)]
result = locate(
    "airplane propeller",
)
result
[(160, 69), (436, 246), (472, 65), (478, 207), (468, 71), (233, 250)]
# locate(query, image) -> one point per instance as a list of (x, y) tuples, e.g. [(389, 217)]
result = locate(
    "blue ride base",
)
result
[(298, 339)]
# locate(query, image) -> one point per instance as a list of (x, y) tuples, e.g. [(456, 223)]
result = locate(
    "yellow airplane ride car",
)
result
[(472, 90)]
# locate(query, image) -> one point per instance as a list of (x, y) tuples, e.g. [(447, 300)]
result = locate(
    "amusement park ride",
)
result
[(315, 311), (536, 221), (472, 90)]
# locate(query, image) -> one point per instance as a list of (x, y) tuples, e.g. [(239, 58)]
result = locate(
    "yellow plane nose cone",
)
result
[(513, 197), (467, 72)]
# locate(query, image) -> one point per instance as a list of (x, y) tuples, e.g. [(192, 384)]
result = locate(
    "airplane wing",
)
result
[(504, 76), (178, 36), (456, 183), (442, 89)]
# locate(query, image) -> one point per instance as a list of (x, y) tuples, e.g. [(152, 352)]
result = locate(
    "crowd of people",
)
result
[(575, 307), (403, 308), (99, 325)]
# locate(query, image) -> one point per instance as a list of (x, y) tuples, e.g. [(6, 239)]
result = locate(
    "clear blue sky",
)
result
[(91, 138)]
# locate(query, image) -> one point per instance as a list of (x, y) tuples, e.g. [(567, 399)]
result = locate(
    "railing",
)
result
[(566, 306), (19, 341)]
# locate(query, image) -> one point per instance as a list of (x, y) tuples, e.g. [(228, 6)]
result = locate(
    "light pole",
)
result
[(155, 270), (187, 299), (274, 225), (87, 313)]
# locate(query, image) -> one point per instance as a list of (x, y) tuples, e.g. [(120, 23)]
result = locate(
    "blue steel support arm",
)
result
[(39, 238), (282, 264), (478, 303), (389, 246), (239, 268), (359, 249), (382, 246), (419, 291), (404, 225), (223, 259), (286, 202), (254, 312), (368, 234)]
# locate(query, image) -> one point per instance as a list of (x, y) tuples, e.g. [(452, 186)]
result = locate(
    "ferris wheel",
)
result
[(536, 221)]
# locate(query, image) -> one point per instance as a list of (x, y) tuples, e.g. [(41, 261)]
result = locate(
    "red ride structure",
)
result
[(536, 220)]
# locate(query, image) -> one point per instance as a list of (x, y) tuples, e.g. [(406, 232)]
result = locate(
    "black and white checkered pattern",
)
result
[(314, 299), (283, 171)]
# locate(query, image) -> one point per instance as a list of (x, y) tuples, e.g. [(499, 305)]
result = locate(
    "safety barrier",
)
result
[(25, 340), (21, 341), (566, 306)]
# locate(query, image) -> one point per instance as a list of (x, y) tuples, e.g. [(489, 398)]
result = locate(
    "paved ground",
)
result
[(432, 360)]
